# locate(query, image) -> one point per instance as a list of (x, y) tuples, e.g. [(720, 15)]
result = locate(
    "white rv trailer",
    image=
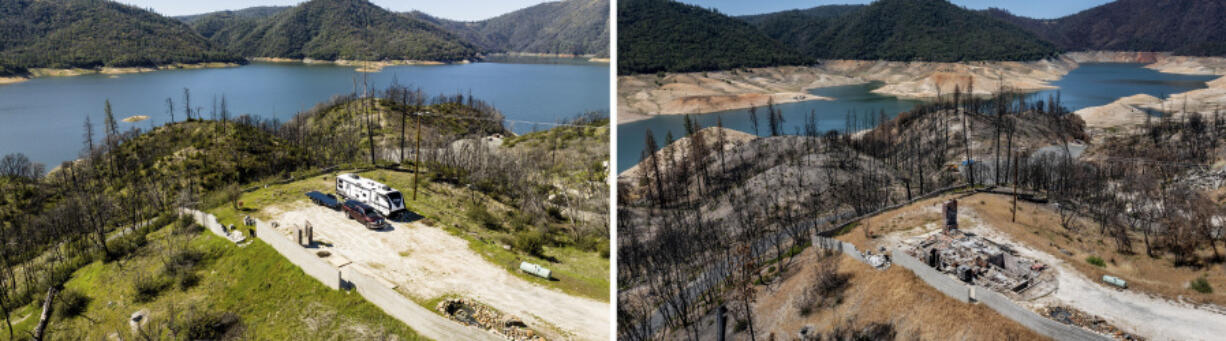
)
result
[(387, 201)]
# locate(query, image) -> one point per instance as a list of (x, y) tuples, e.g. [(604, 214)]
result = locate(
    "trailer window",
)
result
[(395, 199)]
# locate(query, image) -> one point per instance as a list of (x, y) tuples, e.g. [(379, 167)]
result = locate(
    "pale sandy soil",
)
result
[(681, 147), (427, 262), (11, 80), (703, 92), (361, 66), (928, 79), (641, 96), (135, 118), (44, 72), (1127, 111)]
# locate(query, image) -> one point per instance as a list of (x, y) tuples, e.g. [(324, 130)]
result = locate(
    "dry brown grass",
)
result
[(893, 296)]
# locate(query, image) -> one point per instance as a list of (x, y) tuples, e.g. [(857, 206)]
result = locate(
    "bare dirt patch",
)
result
[(427, 263)]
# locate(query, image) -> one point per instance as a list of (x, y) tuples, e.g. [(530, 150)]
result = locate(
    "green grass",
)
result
[(273, 298), (1096, 261), (848, 228), (578, 272)]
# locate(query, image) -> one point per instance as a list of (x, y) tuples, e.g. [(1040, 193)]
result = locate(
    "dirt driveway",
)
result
[(428, 262)]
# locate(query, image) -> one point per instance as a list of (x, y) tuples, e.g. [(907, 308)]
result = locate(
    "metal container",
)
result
[(1116, 281), (534, 269)]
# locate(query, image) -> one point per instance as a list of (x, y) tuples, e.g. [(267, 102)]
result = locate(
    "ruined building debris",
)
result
[(980, 261), (1071, 316), (480, 316)]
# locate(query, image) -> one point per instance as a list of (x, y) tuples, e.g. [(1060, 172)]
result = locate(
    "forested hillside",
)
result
[(95, 33), (903, 30), (229, 25), (798, 27), (1185, 27), (579, 27), (664, 35), (332, 30)]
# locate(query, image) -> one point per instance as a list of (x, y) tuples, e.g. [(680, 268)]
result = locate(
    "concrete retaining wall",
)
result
[(1025, 317), (844, 247), (310, 263), (943, 283)]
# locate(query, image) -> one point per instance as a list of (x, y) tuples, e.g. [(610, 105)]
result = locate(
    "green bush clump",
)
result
[(70, 303), (1201, 285), (210, 325), (147, 288), (1096, 261), (482, 216), (532, 243)]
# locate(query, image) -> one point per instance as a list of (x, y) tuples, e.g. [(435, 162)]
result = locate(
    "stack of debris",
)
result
[(1071, 316), (481, 316), (977, 260)]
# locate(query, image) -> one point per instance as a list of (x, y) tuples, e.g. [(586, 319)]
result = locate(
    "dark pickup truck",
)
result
[(364, 214), (325, 200)]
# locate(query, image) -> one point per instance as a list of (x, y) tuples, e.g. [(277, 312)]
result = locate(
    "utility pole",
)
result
[(417, 156)]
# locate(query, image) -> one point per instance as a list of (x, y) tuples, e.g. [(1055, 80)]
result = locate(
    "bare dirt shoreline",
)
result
[(643, 96)]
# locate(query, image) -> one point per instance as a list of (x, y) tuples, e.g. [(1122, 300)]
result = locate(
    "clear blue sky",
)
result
[(1029, 8), (467, 10)]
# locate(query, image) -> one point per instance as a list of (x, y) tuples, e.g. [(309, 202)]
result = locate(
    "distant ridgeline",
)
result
[(578, 27), (360, 30), (664, 35), (95, 33), (1185, 27), (103, 33)]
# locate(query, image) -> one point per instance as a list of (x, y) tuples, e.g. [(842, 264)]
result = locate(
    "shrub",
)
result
[(1096, 261), (209, 325), (147, 288), (70, 303), (186, 225), (532, 243), (826, 288), (180, 268), (482, 216), (1201, 285), (124, 245)]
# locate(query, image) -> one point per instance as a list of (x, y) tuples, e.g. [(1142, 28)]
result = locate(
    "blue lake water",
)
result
[(43, 117), (1092, 84)]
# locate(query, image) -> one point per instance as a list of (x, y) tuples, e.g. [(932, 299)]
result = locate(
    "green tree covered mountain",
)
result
[(579, 27), (1185, 27), (331, 30), (903, 30), (664, 35), (95, 33)]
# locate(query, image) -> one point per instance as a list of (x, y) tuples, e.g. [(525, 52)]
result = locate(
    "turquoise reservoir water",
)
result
[(43, 117), (1089, 85)]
